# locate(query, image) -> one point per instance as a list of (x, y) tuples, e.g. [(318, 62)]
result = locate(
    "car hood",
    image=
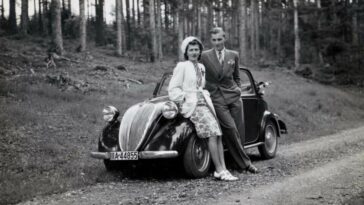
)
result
[(136, 123)]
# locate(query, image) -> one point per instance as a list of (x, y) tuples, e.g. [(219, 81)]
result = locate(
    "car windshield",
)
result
[(245, 81), (164, 89)]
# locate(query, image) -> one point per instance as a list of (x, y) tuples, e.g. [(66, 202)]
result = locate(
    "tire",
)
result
[(268, 150), (196, 159)]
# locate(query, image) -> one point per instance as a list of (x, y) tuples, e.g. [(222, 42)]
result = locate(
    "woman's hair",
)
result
[(194, 42)]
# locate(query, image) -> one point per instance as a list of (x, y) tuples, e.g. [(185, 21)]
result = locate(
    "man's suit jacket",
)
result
[(222, 81)]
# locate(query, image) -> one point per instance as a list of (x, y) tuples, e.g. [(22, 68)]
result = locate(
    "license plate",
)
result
[(127, 155)]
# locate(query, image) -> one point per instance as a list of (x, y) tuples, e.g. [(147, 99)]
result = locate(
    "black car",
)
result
[(154, 129)]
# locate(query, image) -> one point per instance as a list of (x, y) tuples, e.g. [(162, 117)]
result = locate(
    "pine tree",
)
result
[(12, 17), (153, 30), (57, 39), (242, 32), (82, 26), (119, 47), (24, 17), (297, 43)]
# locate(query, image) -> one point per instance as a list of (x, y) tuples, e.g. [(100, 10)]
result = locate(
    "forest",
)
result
[(63, 61), (318, 38)]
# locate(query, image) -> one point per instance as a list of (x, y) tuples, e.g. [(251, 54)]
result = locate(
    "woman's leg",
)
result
[(213, 148), (220, 149)]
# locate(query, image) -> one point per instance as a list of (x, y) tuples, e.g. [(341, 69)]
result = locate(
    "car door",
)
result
[(250, 103)]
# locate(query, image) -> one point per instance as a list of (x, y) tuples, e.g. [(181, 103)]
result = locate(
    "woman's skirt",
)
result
[(205, 122)]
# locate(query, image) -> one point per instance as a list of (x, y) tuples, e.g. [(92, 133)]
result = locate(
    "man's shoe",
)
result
[(252, 169)]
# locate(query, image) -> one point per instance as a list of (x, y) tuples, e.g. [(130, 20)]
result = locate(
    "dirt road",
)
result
[(325, 170)]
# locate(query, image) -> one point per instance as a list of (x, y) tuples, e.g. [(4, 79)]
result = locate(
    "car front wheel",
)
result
[(196, 159), (268, 150)]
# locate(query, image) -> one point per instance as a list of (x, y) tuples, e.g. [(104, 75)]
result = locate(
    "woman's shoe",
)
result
[(227, 176), (217, 175)]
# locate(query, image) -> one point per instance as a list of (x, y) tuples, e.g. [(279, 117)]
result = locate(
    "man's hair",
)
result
[(217, 30)]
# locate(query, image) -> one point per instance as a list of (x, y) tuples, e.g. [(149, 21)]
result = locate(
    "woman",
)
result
[(186, 89)]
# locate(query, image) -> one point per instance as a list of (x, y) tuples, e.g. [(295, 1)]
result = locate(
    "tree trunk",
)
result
[(35, 8), (2, 10), (256, 26), (297, 43), (88, 10), (45, 19), (242, 32), (279, 32), (40, 24), (69, 7), (318, 16), (252, 30), (198, 25), (100, 39), (24, 17), (56, 27), (12, 17), (128, 27), (209, 19), (355, 37), (138, 12), (153, 30), (234, 23), (119, 50), (166, 15), (82, 26), (180, 15), (63, 5), (159, 29), (123, 33)]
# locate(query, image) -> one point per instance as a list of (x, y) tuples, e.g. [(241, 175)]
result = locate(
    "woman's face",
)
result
[(193, 52)]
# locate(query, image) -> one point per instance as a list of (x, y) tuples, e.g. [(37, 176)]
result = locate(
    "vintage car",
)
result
[(153, 129)]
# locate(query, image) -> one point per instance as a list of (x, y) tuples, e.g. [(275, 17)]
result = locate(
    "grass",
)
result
[(47, 131)]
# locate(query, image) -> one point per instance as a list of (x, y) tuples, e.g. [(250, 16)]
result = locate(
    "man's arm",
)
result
[(236, 74)]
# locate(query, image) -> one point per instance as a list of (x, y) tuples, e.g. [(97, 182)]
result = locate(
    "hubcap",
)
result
[(270, 139)]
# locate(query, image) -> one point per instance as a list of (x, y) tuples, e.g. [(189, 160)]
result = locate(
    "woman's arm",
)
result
[(175, 91)]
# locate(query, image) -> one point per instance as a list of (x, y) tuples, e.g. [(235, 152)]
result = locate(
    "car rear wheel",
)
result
[(268, 150), (196, 159)]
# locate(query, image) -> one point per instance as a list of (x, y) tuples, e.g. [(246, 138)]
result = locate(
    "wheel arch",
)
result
[(268, 116)]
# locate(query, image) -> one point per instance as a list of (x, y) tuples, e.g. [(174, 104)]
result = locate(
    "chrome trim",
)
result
[(157, 154), (142, 154), (253, 145), (100, 155)]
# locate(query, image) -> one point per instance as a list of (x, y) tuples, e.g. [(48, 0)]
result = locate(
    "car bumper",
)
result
[(142, 154)]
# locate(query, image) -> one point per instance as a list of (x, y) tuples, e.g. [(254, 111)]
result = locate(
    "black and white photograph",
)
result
[(113, 102)]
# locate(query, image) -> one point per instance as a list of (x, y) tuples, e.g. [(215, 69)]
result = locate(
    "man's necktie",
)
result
[(220, 58)]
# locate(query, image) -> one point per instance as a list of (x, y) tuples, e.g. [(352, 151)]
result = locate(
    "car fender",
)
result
[(269, 116), (171, 135)]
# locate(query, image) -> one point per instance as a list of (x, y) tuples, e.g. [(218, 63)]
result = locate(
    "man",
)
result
[(223, 83)]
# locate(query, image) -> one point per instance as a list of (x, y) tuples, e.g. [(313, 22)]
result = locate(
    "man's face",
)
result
[(218, 41)]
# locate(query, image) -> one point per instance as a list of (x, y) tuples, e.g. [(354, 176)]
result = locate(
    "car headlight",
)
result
[(169, 110), (110, 113)]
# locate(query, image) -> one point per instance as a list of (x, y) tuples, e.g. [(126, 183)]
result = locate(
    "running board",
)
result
[(253, 145)]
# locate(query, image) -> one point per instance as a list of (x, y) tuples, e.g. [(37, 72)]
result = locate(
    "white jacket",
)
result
[(182, 88)]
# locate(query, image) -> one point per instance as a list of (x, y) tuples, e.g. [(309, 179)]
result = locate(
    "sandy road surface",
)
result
[(325, 170)]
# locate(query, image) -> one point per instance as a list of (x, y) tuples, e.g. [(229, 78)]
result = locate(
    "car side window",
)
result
[(246, 84)]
